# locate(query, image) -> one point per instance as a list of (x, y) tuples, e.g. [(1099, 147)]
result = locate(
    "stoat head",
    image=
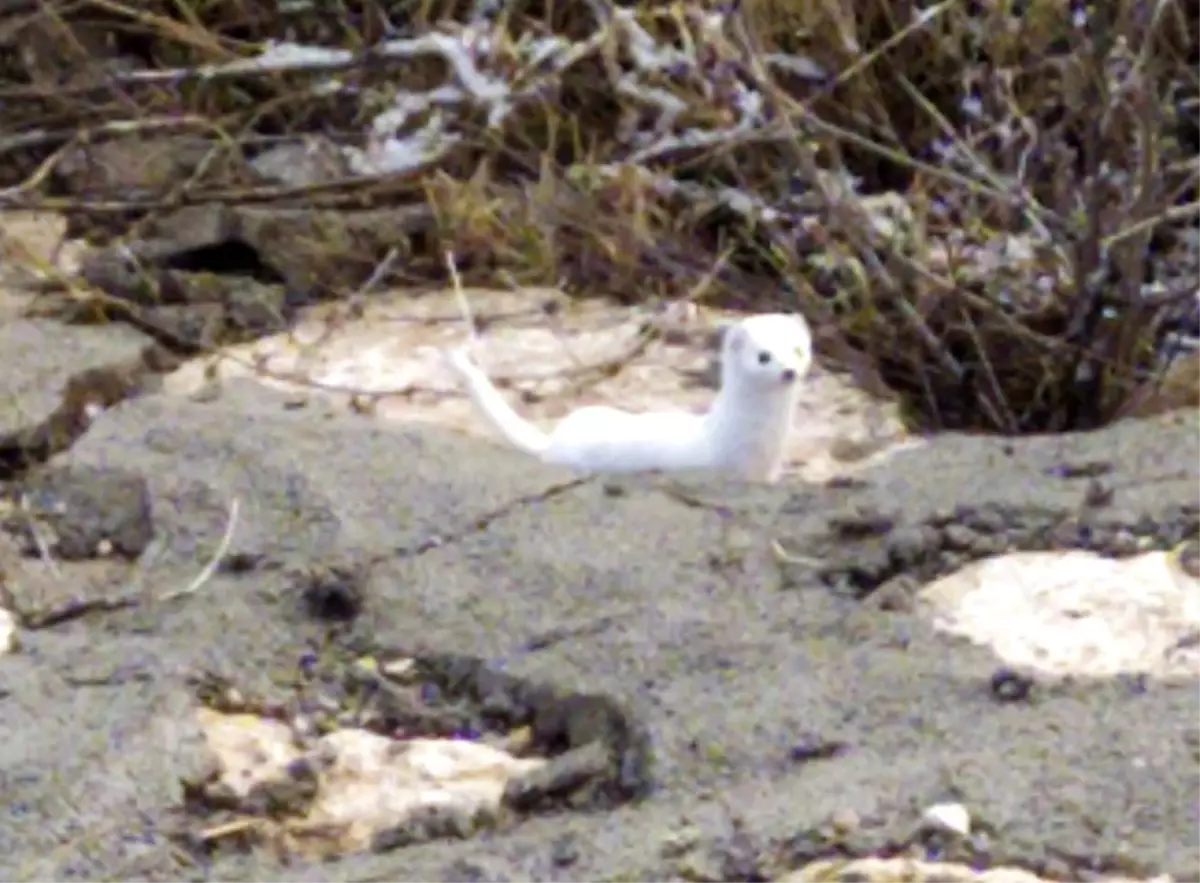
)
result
[(769, 352)]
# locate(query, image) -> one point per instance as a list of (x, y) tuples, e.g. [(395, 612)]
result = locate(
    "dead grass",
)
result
[(989, 207)]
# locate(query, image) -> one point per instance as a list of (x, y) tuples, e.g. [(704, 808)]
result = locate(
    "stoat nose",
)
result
[(789, 375)]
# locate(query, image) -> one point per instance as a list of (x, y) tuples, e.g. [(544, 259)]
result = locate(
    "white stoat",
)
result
[(744, 432)]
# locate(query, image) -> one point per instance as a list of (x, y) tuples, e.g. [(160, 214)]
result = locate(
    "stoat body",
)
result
[(744, 432)]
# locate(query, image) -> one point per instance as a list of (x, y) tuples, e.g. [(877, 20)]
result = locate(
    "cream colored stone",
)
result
[(951, 817), (1075, 612), (367, 783), (8, 632)]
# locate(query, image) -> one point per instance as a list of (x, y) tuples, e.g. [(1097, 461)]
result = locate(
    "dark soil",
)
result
[(776, 698)]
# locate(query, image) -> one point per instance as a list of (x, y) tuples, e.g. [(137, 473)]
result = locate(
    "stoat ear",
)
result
[(733, 338)]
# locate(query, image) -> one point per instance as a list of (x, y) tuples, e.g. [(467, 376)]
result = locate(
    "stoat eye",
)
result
[(764, 358)]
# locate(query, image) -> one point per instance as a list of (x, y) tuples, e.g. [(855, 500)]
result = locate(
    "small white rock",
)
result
[(8, 632), (952, 817), (399, 668)]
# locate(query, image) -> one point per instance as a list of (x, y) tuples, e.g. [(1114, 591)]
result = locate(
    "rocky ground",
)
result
[(793, 701)]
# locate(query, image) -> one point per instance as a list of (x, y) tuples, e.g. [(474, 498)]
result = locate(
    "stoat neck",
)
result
[(743, 410)]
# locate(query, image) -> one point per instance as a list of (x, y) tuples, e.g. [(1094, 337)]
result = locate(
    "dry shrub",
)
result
[(989, 207)]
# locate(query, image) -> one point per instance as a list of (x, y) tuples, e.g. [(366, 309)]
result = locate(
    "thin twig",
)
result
[(355, 299), (584, 371), (93, 134), (148, 558), (209, 569), (38, 539), (783, 556), (378, 273)]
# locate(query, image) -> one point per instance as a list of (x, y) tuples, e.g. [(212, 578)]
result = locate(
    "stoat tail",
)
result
[(519, 432)]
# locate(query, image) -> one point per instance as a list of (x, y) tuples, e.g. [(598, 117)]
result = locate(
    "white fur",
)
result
[(743, 432)]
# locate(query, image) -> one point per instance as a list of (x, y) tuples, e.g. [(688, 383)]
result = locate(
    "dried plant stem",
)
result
[(211, 568)]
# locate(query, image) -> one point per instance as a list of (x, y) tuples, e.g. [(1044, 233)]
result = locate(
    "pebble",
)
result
[(844, 821), (1009, 685), (950, 817), (8, 632), (680, 841)]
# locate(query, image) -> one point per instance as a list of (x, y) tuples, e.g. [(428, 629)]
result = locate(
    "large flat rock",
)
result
[(662, 592), (41, 356)]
